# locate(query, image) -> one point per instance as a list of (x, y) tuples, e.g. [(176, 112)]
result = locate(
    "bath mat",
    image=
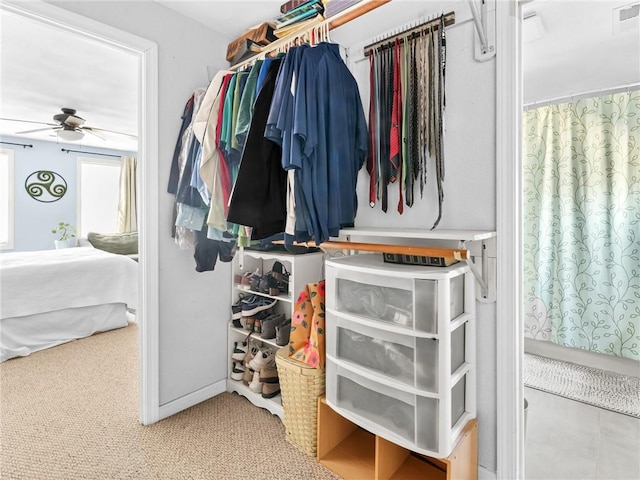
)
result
[(601, 388)]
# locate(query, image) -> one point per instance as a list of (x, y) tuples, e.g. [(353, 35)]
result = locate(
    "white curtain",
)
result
[(127, 216)]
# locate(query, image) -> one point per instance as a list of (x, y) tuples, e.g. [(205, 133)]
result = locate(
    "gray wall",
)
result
[(34, 220)]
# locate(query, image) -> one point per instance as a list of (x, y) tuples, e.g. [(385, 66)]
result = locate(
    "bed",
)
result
[(54, 296)]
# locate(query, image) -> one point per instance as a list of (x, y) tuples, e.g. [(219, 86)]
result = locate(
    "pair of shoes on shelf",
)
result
[(270, 381), (276, 281), (249, 279), (257, 369), (266, 382), (265, 357), (255, 303), (266, 389), (254, 322), (269, 325), (283, 331)]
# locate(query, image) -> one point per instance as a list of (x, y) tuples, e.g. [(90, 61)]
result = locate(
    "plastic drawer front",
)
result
[(407, 302), (458, 396), (402, 358), (398, 416)]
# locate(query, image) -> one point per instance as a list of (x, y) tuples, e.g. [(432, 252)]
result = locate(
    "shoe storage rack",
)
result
[(401, 350), (303, 269)]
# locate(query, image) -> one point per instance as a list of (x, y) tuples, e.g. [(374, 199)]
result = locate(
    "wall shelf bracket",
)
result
[(484, 21), (482, 262)]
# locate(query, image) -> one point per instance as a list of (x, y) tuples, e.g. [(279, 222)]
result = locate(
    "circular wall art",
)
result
[(45, 186)]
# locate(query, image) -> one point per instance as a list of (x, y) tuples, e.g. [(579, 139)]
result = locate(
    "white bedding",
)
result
[(44, 281), (51, 297)]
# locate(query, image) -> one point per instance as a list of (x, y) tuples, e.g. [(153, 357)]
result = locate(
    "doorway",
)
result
[(575, 65), (147, 314)]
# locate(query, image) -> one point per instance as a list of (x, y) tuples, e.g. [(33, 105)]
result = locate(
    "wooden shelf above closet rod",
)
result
[(455, 253), (347, 15)]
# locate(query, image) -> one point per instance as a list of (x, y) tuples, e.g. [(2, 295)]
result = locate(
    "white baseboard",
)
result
[(484, 474), (192, 399)]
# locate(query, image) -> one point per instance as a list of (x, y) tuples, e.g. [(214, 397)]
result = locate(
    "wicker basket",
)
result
[(300, 387)]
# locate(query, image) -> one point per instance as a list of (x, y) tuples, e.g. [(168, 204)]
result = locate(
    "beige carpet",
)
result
[(71, 412)]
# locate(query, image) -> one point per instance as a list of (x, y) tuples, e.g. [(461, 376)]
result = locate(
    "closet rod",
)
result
[(336, 21), (449, 19), (457, 253), (89, 153), (23, 145)]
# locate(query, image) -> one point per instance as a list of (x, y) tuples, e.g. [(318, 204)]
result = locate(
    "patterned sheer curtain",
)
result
[(127, 215), (582, 224)]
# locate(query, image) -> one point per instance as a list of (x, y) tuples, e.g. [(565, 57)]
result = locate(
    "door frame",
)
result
[(510, 339), (148, 284)]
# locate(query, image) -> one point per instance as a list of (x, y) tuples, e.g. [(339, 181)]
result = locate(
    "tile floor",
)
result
[(568, 440)]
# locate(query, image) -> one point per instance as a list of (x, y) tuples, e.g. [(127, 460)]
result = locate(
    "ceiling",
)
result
[(223, 16), (45, 69), (578, 51)]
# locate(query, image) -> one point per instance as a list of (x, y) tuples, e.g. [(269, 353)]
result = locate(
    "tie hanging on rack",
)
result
[(407, 103)]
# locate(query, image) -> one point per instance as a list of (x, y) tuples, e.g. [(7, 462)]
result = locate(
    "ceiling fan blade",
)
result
[(102, 130), (90, 130), (28, 121), (73, 121), (37, 130)]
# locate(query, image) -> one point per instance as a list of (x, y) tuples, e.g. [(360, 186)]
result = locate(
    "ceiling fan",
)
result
[(69, 127)]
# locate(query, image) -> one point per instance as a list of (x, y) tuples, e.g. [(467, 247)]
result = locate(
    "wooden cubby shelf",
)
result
[(354, 453)]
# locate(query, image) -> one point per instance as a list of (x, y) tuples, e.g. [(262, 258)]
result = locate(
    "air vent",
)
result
[(626, 18), (532, 27)]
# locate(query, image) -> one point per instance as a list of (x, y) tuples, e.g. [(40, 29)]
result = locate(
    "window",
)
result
[(98, 186), (6, 198)]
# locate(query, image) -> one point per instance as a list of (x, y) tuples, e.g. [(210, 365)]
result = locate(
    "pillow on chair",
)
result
[(120, 243)]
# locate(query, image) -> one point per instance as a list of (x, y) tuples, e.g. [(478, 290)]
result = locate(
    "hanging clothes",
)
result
[(330, 124), (270, 149), (174, 174), (279, 129), (191, 150), (258, 198), (245, 110), (210, 171)]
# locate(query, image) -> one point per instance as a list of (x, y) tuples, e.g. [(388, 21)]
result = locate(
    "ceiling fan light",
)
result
[(70, 135)]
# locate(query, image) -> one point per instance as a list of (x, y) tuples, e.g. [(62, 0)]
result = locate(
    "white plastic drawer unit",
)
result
[(407, 419), (406, 359), (403, 295)]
